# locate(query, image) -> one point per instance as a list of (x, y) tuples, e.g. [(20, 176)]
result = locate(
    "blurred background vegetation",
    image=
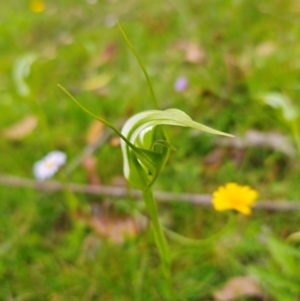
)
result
[(231, 52)]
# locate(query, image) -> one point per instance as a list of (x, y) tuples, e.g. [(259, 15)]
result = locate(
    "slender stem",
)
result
[(158, 233), (160, 240), (141, 64)]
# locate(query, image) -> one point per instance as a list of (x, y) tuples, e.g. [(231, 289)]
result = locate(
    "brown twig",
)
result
[(118, 192)]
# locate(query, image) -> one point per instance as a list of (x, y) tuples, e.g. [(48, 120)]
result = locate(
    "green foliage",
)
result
[(279, 275)]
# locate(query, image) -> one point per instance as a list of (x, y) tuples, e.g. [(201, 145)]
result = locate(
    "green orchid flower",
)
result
[(149, 147)]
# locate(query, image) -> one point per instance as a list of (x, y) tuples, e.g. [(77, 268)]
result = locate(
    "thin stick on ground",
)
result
[(120, 192)]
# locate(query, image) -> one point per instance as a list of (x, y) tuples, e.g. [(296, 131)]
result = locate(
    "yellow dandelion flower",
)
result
[(234, 196), (37, 6)]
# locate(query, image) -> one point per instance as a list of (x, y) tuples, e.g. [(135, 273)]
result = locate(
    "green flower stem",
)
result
[(159, 236), (160, 240)]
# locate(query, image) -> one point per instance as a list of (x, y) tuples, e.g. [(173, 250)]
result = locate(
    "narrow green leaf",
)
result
[(96, 117), (141, 64)]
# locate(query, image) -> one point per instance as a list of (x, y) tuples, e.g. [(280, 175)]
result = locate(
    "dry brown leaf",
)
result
[(215, 159), (107, 222), (115, 141), (94, 132), (115, 226), (237, 156), (107, 55), (232, 65), (193, 53), (237, 287), (21, 129), (90, 166), (156, 25), (265, 49)]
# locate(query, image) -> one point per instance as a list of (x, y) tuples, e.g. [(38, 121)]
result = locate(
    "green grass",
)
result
[(48, 255)]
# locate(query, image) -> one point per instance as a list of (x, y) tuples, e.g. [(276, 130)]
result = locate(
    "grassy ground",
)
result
[(248, 48)]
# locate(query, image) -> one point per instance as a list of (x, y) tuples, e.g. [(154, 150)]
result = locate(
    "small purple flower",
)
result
[(181, 83)]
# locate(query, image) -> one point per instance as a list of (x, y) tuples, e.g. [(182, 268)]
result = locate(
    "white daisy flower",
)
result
[(49, 165)]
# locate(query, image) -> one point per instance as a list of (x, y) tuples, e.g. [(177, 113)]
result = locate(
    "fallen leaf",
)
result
[(104, 218), (237, 156), (115, 226), (232, 66), (90, 166), (115, 141), (66, 38), (21, 129), (156, 26), (237, 287), (109, 52), (110, 20), (215, 158), (265, 49), (94, 132), (107, 55), (193, 53)]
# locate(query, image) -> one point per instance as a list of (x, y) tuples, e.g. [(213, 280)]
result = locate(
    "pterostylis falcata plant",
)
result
[(146, 148)]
